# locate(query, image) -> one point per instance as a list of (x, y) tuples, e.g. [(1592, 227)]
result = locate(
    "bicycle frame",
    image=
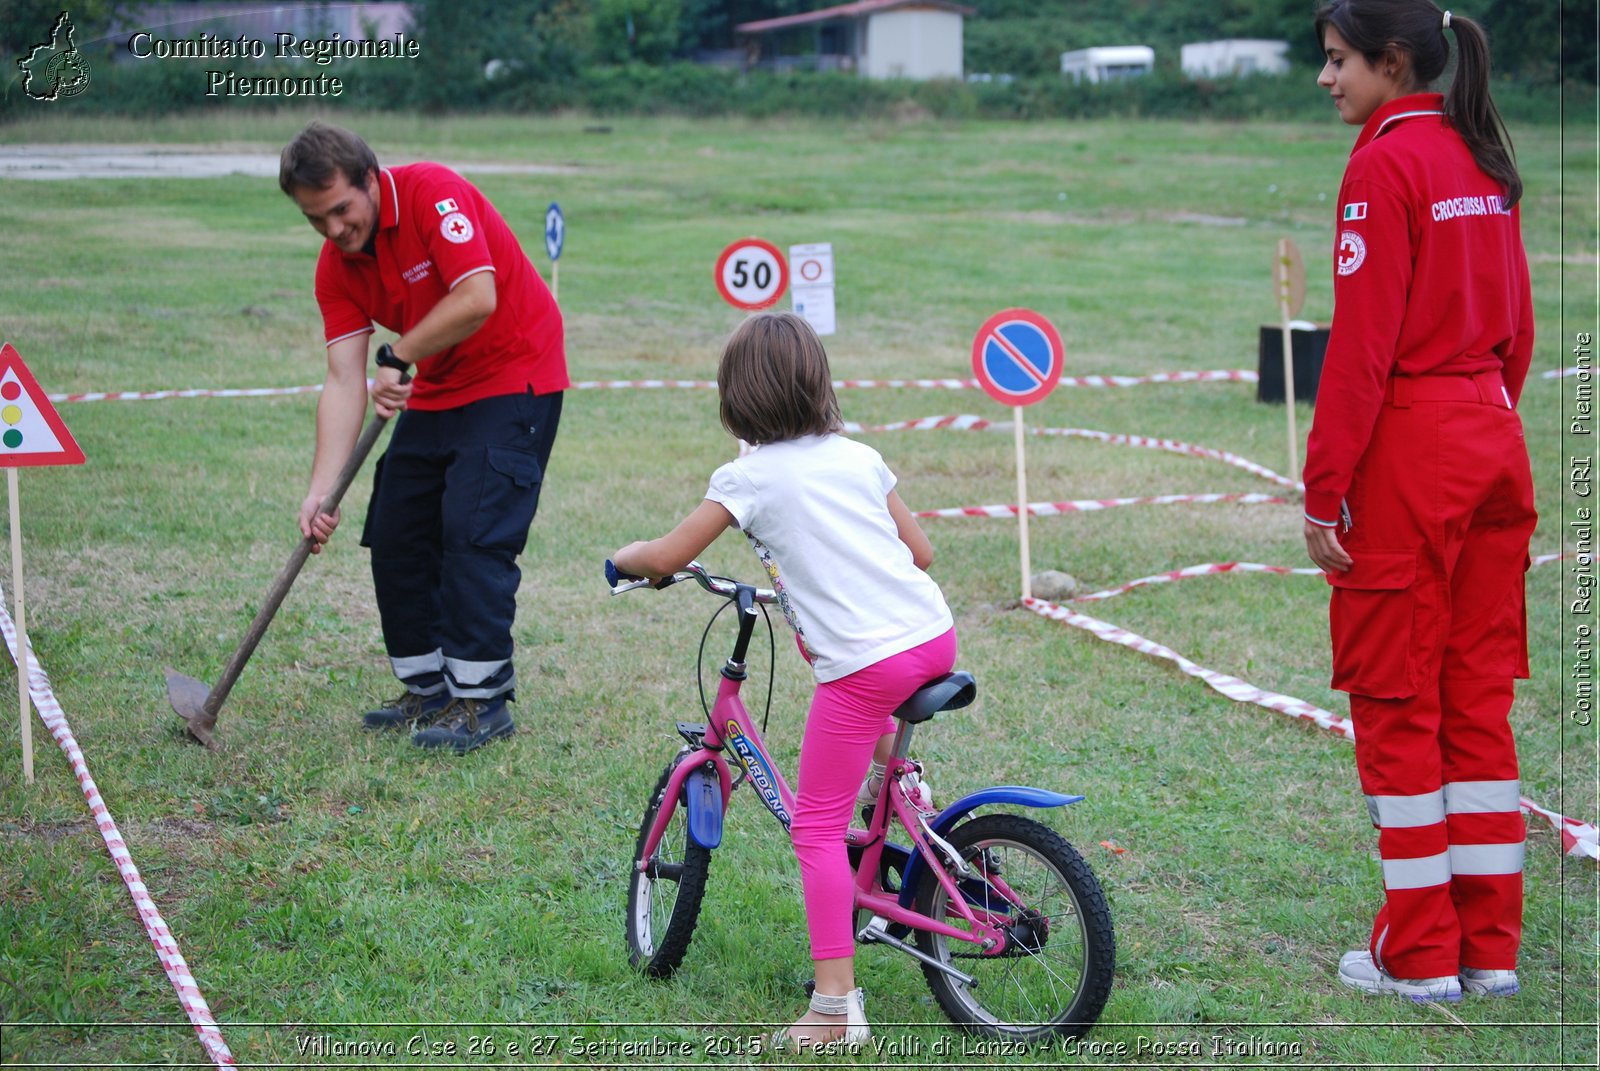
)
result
[(731, 726)]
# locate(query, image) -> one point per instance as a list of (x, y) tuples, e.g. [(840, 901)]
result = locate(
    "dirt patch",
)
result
[(1204, 220), (44, 162), (49, 832)]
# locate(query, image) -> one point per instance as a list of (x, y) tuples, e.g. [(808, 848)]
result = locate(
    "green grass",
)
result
[(313, 874)]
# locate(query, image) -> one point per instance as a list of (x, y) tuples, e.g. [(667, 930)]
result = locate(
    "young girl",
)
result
[(1419, 498), (847, 559)]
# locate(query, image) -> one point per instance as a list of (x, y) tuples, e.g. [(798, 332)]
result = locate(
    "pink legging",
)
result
[(847, 718)]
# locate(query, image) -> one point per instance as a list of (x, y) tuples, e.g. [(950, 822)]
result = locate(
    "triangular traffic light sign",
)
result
[(31, 433)]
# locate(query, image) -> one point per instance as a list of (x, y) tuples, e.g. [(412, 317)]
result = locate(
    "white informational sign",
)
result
[(811, 285), (815, 305)]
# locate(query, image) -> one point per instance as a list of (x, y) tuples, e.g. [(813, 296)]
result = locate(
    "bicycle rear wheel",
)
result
[(664, 897), (1054, 975)]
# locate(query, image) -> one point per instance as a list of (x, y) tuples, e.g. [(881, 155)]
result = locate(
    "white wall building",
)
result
[(1240, 55), (1108, 63), (917, 39)]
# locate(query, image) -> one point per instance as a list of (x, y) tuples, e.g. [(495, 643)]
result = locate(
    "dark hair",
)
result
[(319, 153), (774, 381), (1417, 29)]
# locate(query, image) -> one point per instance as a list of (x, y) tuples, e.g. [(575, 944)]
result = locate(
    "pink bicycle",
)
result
[(1007, 920)]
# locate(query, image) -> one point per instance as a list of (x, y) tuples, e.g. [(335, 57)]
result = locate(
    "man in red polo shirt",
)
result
[(476, 374)]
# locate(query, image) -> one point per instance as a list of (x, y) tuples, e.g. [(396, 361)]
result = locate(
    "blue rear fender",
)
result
[(945, 820)]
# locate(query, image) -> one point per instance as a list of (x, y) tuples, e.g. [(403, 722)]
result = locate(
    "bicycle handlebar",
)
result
[(717, 585)]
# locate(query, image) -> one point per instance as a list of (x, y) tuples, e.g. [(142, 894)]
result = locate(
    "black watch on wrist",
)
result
[(387, 359)]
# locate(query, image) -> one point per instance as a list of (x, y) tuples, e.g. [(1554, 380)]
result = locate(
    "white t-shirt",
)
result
[(816, 510)]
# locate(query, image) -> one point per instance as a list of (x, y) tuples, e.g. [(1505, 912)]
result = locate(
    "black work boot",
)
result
[(469, 724), (408, 711)]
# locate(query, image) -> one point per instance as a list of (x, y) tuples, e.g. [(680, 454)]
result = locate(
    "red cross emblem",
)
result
[(1352, 251), (456, 227)]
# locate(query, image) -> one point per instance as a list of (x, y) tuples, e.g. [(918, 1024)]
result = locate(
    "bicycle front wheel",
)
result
[(664, 895), (1054, 975)]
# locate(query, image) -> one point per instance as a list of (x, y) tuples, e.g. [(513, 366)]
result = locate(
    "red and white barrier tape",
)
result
[(1208, 569), (1577, 838), (156, 395), (1241, 375), (1087, 505), (1220, 568), (967, 422), (1232, 687), (172, 961)]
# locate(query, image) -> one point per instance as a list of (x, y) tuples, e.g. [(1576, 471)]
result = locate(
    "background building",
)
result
[(1241, 55), (916, 39), (1108, 63)]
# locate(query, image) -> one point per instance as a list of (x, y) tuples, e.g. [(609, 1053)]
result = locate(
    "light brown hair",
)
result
[(774, 381), (319, 153)]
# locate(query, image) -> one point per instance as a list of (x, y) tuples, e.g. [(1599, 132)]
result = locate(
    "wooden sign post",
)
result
[(30, 434), (1289, 281), (1017, 358)]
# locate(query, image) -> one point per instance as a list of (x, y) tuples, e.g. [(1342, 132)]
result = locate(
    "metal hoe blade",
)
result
[(188, 698)]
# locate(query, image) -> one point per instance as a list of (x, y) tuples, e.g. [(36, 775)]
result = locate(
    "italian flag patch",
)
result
[(448, 205), (1355, 210)]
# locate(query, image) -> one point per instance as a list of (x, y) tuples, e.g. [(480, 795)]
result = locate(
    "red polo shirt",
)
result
[(434, 230), (1430, 278)]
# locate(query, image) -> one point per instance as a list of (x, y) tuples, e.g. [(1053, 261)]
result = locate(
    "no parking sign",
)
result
[(752, 274), (1017, 357)]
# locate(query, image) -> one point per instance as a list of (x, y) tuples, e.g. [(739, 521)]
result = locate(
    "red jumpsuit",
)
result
[(1417, 440)]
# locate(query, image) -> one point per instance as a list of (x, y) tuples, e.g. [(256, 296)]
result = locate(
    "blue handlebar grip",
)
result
[(612, 576)]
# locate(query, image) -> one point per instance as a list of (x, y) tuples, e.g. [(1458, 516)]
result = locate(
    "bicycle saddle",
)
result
[(949, 692)]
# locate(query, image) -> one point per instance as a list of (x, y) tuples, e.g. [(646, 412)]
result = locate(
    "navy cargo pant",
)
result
[(452, 500)]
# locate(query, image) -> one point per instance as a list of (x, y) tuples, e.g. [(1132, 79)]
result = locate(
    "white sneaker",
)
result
[(1357, 971), (1489, 983)]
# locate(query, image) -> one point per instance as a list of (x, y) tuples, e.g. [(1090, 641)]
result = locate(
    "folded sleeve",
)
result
[(733, 490), (342, 316)]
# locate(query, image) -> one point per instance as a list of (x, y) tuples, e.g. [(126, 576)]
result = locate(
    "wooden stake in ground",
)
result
[(1022, 505), (30, 434), (1017, 358), (1289, 279)]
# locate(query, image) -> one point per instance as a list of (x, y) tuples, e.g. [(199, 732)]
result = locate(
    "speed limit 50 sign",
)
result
[(752, 274)]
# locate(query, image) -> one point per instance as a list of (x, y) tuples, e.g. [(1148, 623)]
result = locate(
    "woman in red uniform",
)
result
[(1419, 498)]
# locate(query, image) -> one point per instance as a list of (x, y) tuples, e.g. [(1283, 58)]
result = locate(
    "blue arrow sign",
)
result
[(555, 231)]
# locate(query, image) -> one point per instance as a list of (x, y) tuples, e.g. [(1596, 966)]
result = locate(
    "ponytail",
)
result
[(1419, 28), (1472, 111)]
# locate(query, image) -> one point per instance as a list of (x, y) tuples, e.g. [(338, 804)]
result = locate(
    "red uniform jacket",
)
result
[(1430, 278), (434, 230)]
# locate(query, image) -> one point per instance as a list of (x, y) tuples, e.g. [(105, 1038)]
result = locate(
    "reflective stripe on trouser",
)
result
[(421, 674), (453, 497), (1428, 633)]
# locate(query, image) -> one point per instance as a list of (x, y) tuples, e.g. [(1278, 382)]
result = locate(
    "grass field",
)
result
[(326, 883)]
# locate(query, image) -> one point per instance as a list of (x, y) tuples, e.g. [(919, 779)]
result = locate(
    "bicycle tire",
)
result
[(659, 939), (1020, 994)]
